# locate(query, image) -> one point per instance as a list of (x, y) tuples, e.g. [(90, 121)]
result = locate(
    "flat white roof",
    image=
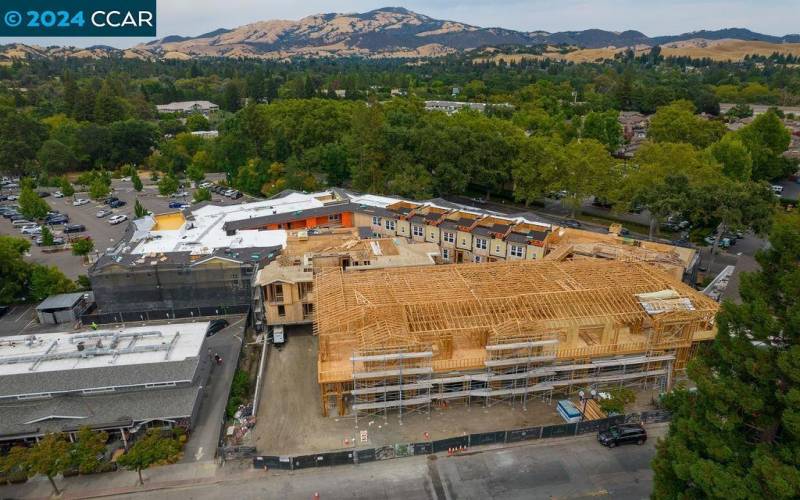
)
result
[(205, 233), (48, 352)]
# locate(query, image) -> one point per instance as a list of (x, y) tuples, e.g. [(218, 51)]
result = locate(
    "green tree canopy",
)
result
[(56, 158), (604, 127), (137, 182), (82, 247), (14, 270), (678, 123), (538, 158), (734, 156), (202, 194), (31, 205), (767, 138), (167, 185), (149, 450), (738, 435), (587, 170), (89, 449), (48, 280), (50, 456), (196, 121)]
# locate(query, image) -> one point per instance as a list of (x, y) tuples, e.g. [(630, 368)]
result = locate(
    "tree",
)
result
[(48, 280), (83, 247), (56, 158), (196, 121), (50, 456), (678, 123), (195, 173), (20, 140), (738, 434), (736, 161), (167, 185), (88, 451), (537, 156), (587, 170), (740, 111), (662, 177), (137, 182), (138, 210), (767, 138), (131, 141), (604, 127), (31, 205), (47, 236), (14, 271), (147, 451), (202, 194), (66, 187), (98, 189), (109, 107)]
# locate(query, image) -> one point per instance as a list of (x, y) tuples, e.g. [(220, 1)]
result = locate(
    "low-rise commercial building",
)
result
[(63, 308), (119, 381), (188, 107)]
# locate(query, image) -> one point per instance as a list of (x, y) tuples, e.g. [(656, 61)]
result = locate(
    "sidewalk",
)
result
[(210, 473), (121, 482)]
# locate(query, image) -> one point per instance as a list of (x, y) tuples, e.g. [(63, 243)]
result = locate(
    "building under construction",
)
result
[(403, 340)]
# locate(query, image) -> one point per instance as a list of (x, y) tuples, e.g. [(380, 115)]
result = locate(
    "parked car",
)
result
[(58, 194), (21, 222), (110, 200), (229, 192), (18, 217), (117, 204), (117, 219), (215, 326), (777, 189), (10, 214), (206, 185), (622, 434), (74, 228), (57, 240), (56, 219), (79, 201), (30, 229), (102, 213), (723, 242), (572, 223), (177, 204), (12, 197), (43, 194)]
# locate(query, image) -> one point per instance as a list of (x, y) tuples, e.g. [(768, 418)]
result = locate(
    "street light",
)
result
[(582, 395)]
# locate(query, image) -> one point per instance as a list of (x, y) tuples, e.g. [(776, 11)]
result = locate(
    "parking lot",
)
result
[(104, 234)]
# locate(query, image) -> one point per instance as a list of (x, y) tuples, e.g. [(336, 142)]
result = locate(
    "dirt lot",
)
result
[(290, 420)]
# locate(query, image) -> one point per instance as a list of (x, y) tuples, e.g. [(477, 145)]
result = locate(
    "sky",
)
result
[(652, 17)]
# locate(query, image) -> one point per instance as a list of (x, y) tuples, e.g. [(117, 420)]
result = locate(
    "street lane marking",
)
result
[(21, 315)]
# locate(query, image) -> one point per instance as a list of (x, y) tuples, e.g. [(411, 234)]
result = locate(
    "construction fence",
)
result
[(363, 455), (161, 314)]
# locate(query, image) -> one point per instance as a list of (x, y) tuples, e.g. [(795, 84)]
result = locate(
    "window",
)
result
[(390, 224), (446, 253), (281, 311), (376, 221), (417, 231), (497, 249), (463, 242), (335, 218), (477, 259), (99, 390), (517, 251), (433, 235), (45, 395), (304, 289), (449, 237), (308, 310), (159, 384), (481, 244), (277, 293)]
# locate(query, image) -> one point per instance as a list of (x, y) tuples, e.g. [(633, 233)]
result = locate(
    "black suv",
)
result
[(74, 228), (622, 434)]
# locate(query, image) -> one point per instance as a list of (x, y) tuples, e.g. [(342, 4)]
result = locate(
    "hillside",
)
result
[(398, 32)]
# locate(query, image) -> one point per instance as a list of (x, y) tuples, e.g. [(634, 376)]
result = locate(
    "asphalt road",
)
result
[(204, 439), (565, 468)]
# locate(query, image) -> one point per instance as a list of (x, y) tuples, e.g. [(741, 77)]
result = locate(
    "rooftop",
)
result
[(455, 309), (60, 301), (63, 362)]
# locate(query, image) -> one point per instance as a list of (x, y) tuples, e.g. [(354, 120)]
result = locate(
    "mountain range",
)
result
[(385, 32)]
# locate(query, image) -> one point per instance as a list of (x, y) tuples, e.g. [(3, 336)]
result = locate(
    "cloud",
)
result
[(652, 17)]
